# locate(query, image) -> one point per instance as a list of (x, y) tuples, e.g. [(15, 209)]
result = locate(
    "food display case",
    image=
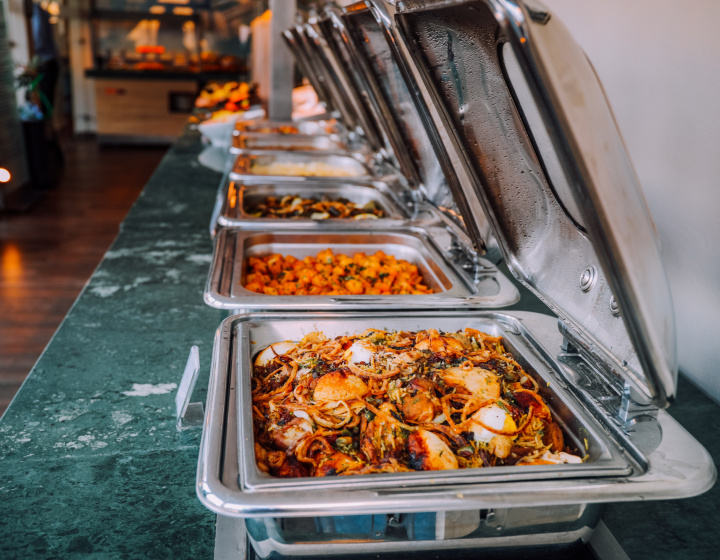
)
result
[(503, 91)]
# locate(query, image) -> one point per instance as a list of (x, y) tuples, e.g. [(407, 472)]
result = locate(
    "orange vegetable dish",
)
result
[(384, 401), (330, 274)]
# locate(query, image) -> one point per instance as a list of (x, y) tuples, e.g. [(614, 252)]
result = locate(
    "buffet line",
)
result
[(370, 392)]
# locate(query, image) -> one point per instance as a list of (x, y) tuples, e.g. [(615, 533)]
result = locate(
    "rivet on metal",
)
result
[(588, 278), (614, 307)]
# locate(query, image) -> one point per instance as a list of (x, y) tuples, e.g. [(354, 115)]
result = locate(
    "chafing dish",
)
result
[(289, 127), (239, 195), (282, 166), (501, 84), (540, 503), (287, 142), (453, 286)]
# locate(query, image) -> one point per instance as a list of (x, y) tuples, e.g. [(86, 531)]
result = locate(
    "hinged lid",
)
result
[(330, 28), (406, 120), (318, 62), (296, 43), (534, 131)]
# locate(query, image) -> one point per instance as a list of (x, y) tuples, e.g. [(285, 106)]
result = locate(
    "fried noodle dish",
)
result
[(386, 401)]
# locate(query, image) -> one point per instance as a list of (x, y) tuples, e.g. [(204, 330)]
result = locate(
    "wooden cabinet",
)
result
[(142, 110)]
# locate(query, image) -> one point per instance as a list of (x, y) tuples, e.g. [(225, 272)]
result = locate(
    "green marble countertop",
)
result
[(91, 464)]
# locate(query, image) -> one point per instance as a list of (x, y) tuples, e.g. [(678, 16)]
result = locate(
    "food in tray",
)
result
[(282, 129), (305, 169), (295, 206), (283, 148), (232, 96), (384, 401), (330, 274)]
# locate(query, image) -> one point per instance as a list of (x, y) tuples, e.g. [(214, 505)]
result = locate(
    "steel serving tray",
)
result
[(617, 470), (322, 127), (453, 286), (238, 195), (352, 164), (288, 142)]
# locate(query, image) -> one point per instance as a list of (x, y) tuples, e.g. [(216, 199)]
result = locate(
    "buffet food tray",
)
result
[(229, 484), (452, 286), (287, 142), (237, 195), (289, 127), (299, 166)]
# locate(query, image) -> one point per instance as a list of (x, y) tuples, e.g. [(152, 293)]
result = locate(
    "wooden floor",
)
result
[(48, 253)]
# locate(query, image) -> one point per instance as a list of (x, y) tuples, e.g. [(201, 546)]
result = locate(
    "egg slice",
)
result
[(494, 417), (361, 351), (478, 381), (276, 349)]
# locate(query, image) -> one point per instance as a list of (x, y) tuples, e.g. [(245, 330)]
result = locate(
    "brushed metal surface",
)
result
[(679, 467), (550, 231), (237, 196), (454, 287), (243, 166)]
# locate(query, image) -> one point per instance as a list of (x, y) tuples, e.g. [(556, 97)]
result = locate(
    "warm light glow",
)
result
[(182, 11), (4, 175), (11, 262), (173, 1), (157, 9)]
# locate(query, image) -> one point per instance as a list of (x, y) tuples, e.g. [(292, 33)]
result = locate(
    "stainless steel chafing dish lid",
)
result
[(295, 42), (345, 83), (534, 131), (403, 114), (319, 59)]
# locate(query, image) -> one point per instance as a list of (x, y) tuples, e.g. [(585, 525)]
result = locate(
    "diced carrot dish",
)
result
[(330, 274)]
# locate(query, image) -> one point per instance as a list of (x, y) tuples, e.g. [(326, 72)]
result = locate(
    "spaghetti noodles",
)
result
[(386, 401)]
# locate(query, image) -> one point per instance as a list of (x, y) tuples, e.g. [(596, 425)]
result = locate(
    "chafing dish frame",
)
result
[(242, 167), (316, 143), (487, 288), (679, 466), (397, 212)]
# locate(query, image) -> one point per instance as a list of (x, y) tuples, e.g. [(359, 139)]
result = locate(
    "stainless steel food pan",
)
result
[(581, 434), (453, 287), (281, 127), (239, 196), (676, 467), (287, 142), (288, 166)]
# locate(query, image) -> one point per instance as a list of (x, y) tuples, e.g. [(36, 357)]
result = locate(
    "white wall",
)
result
[(659, 61)]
